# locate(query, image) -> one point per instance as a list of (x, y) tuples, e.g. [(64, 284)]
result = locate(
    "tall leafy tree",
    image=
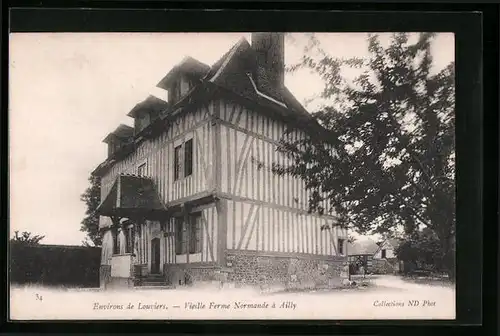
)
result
[(384, 156), (90, 224)]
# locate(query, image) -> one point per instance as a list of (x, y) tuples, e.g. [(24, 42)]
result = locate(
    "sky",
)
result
[(67, 91)]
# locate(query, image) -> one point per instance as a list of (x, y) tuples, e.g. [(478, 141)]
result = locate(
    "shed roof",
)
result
[(129, 195)]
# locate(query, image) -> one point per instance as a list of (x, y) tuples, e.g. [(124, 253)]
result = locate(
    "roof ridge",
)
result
[(229, 56)]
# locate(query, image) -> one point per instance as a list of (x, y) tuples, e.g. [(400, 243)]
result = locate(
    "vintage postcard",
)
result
[(261, 175)]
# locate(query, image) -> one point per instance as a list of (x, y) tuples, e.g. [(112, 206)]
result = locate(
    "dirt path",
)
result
[(397, 282)]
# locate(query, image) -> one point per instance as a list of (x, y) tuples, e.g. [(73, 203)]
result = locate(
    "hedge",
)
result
[(55, 265)]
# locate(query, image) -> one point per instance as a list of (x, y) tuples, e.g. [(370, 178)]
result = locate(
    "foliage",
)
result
[(421, 251), (55, 265), (26, 238), (381, 152), (90, 224)]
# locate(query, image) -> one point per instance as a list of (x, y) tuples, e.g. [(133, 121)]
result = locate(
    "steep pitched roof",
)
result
[(122, 132), (237, 72), (151, 103), (189, 66)]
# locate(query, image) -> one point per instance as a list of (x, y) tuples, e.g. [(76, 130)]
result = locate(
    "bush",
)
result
[(52, 265)]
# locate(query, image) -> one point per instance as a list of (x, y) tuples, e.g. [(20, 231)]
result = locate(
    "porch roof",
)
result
[(131, 195)]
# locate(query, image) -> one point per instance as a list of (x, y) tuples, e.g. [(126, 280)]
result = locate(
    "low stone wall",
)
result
[(288, 272)]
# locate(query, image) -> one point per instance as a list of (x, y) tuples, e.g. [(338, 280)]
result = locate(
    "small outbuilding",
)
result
[(361, 254)]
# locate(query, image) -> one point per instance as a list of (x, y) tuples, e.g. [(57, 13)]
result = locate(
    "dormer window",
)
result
[(174, 94), (146, 112), (182, 78), (142, 121), (119, 138)]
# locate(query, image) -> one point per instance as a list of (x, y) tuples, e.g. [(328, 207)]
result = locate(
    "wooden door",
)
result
[(155, 256)]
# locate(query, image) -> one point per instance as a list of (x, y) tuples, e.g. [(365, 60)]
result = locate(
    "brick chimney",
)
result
[(270, 54)]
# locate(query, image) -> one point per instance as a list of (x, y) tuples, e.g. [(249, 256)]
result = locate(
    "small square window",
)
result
[(141, 170)]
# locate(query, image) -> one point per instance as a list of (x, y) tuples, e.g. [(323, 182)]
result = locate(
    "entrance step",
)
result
[(148, 278), (161, 276), (153, 280), (143, 287), (153, 284)]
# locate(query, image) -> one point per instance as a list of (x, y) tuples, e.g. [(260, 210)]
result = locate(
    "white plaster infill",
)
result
[(121, 265)]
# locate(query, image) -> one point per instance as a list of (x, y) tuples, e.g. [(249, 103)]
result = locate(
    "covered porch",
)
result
[(140, 240)]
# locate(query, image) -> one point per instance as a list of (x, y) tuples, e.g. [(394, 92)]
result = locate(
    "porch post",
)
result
[(114, 232), (136, 251), (185, 212)]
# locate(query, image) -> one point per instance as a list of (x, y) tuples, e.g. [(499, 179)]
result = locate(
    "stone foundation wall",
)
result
[(285, 271), (184, 274)]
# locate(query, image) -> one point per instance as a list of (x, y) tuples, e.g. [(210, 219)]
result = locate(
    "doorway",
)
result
[(155, 256)]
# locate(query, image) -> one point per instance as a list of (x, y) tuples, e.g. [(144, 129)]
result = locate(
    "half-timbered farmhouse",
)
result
[(188, 194)]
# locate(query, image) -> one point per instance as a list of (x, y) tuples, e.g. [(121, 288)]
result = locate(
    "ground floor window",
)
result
[(188, 234), (341, 246)]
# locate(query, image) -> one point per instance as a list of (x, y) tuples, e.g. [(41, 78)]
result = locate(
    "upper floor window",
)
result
[(384, 254), (141, 170), (183, 160)]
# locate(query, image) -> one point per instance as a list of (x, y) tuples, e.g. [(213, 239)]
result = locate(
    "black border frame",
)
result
[(475, 26)]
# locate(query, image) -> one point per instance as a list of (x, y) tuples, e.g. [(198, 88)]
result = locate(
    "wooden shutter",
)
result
[(198, 233), (195, 234), (177, 162), (185, 238), (188, 158), (178, 235)]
